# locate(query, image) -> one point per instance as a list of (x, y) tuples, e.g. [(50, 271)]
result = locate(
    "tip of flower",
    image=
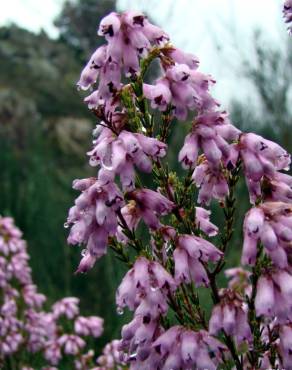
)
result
[(86, 263)]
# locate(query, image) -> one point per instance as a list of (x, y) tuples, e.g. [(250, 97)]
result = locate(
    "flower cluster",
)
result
[(190, 256), (25, 326), (270, 223), (110, 357), (231, 316), (145, 289), (250, 323), (129, 37), (262, 159), (180, 348)]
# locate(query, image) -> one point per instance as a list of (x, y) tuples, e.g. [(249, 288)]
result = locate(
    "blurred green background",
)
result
[(45, 131)]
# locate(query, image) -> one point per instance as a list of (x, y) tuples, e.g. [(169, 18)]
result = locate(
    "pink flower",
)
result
[(203, 222), (32, 297), (211, 132), (181, 348), (182, 87), (147, 278), (261, 157), (189, 256), (129, 36), (90, 73), (89, 326), (239, 280), (111, 357), (231, 315), (149, 205), (159, 94), (94, 218), (212, 183), (67, 306), (72, 344), (285, 345), (180, 57), (271, 224), (120, 154), (53, 352)]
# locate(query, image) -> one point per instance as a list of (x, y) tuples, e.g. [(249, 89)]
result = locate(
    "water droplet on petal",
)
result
[(84, 252), (168, 247), (120, 311), (93, 162), (133, 357), (154, 288), (66, 225)]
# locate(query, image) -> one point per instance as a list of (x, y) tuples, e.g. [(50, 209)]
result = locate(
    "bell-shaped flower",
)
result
[(261, 158), (231, 315), (94, 217), (212, 183), (211, 132), (203, 222), (120, 154), (180, 348), (148, 205), (145, 278), (274, 295), (189, 258)]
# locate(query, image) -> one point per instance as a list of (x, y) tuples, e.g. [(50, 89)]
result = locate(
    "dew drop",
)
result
[(93, 162), (66, 225), (168, 247), (133, 357), (84, 252), (120, 311)]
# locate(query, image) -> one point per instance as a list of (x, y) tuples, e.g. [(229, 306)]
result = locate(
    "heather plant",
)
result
[(30, 336), (160, 224)]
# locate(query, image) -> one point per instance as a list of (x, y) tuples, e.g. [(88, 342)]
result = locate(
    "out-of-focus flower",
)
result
[(67, 306), (91, 325), (287, 13), (25, 326)]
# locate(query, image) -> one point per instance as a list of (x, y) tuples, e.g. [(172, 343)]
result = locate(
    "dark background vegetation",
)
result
[(45, 132)]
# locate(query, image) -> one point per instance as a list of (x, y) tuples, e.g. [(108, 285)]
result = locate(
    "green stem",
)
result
[(229, 211)]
